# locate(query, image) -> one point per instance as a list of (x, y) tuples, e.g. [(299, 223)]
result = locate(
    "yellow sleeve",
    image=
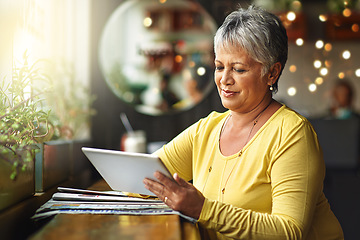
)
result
[(296, 171), (177, 154)]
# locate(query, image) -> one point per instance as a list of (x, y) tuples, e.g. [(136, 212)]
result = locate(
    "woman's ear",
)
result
[(274, 73)]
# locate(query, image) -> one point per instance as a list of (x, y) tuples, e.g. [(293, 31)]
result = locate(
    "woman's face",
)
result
[(239, 82)]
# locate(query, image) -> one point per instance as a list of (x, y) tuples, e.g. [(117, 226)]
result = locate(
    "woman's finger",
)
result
[(166, 181), (154, 186), (180, 181)]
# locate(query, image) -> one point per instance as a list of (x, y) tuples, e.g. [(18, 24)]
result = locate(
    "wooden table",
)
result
[(98, 226)]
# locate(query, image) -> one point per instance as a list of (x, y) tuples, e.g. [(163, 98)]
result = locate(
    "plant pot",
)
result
[(14, 191), (52, 164)]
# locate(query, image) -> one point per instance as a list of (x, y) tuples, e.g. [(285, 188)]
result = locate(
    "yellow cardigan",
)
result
[(273, 187)]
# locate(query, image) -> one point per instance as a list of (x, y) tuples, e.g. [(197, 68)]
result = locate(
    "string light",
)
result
[(346, 54), (322, 18), (201, 71), (299, 42), (346, 12), (341, 75), (317, 64), (296, 5), (319, 80), (319, 44), (327, 63), (328, 47), (324, 71), (357, 72), (147, 22), (312, 87), (292, 68), (178, 58), (291, 16), (291, 91), (355, 27), (192, 64)]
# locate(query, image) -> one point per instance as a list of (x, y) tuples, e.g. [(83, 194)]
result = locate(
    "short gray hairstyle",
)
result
[(260, 33)]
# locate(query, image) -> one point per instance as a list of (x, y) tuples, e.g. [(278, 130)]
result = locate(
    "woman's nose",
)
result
[(226, 78)]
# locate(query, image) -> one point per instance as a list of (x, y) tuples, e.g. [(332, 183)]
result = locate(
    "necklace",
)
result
[(255, 121)]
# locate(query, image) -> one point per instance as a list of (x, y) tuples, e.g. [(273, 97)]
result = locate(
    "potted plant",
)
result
[(42, 115), (23, 123)]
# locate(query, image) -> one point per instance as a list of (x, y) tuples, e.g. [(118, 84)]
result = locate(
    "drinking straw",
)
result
[(126, 123)]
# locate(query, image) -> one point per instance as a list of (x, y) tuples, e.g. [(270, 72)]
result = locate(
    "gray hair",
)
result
[(260, 33)]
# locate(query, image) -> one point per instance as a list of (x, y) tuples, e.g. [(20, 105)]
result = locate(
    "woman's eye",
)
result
[(218, 68), (239, 70)]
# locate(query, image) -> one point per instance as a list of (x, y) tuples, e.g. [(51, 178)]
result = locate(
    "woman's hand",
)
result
[(179, 195)]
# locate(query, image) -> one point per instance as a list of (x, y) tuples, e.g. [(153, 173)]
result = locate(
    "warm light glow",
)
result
[(328, 63), (296, 5), (322, 18), (355, 27), (346, 54), (292, 68), (201, 71), (299, 41), (27, 92), (346, 12), (328, 47), (319, 80), (178, 58), (291, 16), (23, 41), (317, 64), (191, 64), (357, 72), (319, 44), (155, 90), (162, 1), (312, 87), (147, 22), (291, 91), (324, 71), (341, 75)]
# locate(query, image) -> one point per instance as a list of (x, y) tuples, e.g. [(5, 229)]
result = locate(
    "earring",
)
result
[(271, 88)]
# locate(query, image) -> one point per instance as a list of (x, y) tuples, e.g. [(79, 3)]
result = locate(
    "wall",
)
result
[(315, 104)]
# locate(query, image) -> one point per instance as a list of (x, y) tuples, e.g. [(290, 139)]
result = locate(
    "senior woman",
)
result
[(257, 169)]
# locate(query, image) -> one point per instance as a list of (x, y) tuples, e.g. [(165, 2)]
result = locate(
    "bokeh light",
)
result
[(292, 68), (341, 75), (299, 42), (346, 54), (324, 71), (291, 16), (328, 47), (312, 87), (319, 80), (291, 91), (319, 44), (322, 17), (357, 72), (317, 64)]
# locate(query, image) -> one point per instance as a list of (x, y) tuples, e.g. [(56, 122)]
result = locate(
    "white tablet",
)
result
[(125, 171)]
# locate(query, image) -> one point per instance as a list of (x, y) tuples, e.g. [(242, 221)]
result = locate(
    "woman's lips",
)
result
[(228, 93)]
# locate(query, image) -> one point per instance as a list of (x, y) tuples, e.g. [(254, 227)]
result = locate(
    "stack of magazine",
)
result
[(79, 201)]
